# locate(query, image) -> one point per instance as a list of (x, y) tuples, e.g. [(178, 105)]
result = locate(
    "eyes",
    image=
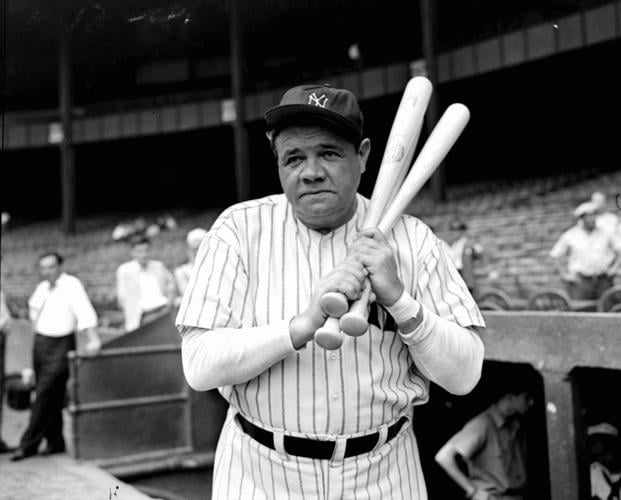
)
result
[(294, 160)]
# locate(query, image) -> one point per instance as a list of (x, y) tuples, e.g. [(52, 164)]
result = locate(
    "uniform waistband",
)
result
[(318, 449)]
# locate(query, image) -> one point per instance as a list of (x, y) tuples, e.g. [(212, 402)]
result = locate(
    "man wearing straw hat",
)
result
[(587, 257)]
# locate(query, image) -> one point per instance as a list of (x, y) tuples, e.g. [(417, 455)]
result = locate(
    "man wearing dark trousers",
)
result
[(59, 307)]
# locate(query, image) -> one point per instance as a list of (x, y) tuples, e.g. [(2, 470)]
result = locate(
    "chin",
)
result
[(321, 220)]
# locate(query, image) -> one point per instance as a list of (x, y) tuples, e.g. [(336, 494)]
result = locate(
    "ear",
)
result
[(363, 153)]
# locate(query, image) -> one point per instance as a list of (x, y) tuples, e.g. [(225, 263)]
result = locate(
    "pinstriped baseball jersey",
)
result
[(259, 265)]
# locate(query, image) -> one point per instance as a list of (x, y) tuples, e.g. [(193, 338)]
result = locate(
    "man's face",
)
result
[(320, 173), (49, 268), (588, 220), (522, 402), (140, 252)]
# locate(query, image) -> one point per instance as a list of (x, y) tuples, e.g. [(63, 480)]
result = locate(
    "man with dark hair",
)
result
[(492, 444), (145, 288), (305, 422), (58, 308)]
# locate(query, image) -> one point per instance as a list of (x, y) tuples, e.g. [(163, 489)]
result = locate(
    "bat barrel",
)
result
[(440, 141), (329, 336)]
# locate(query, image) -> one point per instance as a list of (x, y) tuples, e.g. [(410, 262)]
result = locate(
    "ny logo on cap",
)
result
[(320, 101)]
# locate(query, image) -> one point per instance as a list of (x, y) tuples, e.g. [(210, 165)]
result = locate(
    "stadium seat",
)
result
[(549, 300), (610, 300)]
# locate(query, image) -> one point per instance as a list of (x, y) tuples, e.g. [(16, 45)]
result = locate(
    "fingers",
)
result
[(370, 249), (346, 278), (373, 233)]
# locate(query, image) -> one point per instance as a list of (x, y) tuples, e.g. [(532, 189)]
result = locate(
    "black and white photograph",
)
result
[(310, 250)]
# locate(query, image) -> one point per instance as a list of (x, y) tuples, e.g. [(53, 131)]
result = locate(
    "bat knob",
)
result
[(329, 336), (353, 324), (334, 304)]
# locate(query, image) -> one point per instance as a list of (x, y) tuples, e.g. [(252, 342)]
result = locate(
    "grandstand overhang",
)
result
[(189, 111)]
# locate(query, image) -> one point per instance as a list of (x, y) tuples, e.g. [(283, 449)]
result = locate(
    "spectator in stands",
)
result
[(606, 220), (145, 288), (182, 273), (605, 457), (487, 456), (58, 308), (465, 250), (5, 320), (587, 257)]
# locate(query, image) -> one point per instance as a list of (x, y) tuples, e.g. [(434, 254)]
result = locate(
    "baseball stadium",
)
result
[(134, 134)]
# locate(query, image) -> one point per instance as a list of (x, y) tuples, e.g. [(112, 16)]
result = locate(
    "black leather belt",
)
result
[(313, 448)]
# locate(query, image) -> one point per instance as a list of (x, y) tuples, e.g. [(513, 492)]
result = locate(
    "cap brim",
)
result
[(289, 112)]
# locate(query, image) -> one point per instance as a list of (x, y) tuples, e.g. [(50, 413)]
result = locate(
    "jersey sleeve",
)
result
[(440, 287), (217, 293)]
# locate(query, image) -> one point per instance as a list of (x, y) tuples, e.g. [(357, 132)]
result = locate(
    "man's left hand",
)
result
[(377, 256)]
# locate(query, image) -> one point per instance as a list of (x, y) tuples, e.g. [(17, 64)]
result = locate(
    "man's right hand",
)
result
[(346, 278)]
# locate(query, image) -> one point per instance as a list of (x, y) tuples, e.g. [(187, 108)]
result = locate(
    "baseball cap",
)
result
[(586, 208), (336, 108)]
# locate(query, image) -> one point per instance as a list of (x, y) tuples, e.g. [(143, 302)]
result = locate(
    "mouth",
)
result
[(322, 192)]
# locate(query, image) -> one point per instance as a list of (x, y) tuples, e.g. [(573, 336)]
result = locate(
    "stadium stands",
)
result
[(516, 223)]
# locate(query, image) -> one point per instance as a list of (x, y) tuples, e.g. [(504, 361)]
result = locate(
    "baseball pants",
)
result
[(245, 469)]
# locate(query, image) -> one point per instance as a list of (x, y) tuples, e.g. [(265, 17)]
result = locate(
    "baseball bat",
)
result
[(440, 141), (402, 140)]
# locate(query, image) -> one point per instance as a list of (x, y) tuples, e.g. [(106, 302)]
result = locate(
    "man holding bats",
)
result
[(305, 422)]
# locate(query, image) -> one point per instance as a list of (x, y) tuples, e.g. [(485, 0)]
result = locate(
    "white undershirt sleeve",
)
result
[(447, 353), (226, 356)]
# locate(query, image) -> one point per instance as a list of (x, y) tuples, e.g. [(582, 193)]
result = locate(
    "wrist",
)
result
[(302, 328), (471, 492), (404, 308)]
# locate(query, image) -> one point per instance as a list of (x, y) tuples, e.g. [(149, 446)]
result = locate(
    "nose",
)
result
[(313, 170)]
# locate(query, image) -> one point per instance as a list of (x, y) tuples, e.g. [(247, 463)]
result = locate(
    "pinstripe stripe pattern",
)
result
[(259, 265), (245, 469)]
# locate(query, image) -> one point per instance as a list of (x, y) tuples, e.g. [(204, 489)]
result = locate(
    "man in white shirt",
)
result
[(464, 251), (58, 308), (182, 273), (145, 288), (587, 257), (606, 220)]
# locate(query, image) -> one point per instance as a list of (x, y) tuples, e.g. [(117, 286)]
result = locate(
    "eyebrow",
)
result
[(320, 146)]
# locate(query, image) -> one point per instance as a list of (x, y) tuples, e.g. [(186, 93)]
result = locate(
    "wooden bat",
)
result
[(402, 140), (440, 141)]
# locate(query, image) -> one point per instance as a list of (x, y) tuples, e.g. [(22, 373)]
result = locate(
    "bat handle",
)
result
[(354, 322), (329, 336), (334, 304)]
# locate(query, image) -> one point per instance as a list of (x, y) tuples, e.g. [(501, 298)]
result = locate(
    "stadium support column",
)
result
[(428, 20), (65, 101), (242, 171)]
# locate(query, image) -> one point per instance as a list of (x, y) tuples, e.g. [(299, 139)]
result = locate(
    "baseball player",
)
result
[(305, 422)]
